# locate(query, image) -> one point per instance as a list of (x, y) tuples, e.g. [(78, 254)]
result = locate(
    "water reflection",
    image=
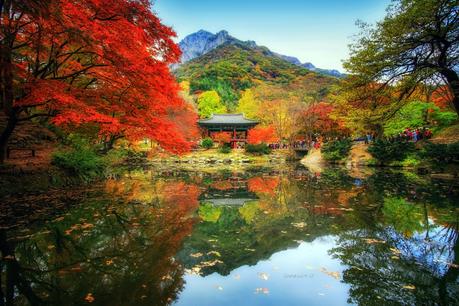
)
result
[(253, 238)]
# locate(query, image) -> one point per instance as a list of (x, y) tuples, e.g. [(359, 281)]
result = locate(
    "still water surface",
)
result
[(257, 237)]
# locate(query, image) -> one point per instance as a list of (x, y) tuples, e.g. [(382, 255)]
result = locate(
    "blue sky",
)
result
[(316, 31)]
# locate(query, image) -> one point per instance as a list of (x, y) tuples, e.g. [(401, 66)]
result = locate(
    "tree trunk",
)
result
[(453, 81), (6, 88), (5, 136)]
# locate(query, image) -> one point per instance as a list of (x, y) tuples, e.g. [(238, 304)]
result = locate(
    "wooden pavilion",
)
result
[(236, 124)]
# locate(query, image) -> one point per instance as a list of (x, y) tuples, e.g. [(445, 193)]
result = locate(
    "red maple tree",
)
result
[(222, 137), (318, 119), (262, 134), (95, 62), (443, 97)]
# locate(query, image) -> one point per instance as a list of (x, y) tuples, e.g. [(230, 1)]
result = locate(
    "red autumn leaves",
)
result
[(98, 63)]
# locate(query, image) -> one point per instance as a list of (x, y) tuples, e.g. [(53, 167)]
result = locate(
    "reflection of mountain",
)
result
[(241, 242), (275, 219), (132, 244)]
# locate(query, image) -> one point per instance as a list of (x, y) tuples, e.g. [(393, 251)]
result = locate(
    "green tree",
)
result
[(416, 43), (416, 114), (209, 103)]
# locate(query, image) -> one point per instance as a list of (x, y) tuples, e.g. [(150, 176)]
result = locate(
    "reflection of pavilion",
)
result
[(236, 124), (232, 197)]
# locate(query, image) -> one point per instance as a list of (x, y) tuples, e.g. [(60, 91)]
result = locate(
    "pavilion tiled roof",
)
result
[(228, 119)]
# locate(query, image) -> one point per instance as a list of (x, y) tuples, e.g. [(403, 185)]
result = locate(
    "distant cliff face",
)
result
[(202, 42)]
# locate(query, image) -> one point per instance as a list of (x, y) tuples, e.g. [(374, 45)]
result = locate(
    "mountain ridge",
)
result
[(199, 43), (230, 69)]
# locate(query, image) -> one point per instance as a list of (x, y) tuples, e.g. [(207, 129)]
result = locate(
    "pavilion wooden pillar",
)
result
[(234, 138)]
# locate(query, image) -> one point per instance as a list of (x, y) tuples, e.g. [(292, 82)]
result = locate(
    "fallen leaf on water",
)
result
[(263, 276), (109, 262), (409, 287), (89, 298), (87, 225), (395, 251), (262, 290), (373, 241), (299, 224), (237, 277), (214, 253), (210, 263), (335, 275), (196, 255), (196, 270)]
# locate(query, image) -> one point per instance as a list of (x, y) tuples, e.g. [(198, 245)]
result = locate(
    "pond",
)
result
[(254, 237)]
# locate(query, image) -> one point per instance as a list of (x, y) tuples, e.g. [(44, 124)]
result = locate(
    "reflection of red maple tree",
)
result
[(222, 185), (182, 195), (265, 185)]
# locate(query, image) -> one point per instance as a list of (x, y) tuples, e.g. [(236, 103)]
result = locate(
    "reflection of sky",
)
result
[(294, 278), (431, 249)]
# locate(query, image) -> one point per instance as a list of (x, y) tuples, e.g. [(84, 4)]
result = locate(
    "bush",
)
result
[(411, 161), (207, 143), (225, 149), (81, 160), (257, 149), (336, 150), (441, 153), (386, 152)]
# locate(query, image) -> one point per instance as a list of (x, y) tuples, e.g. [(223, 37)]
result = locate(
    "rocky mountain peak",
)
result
[(202, 42)]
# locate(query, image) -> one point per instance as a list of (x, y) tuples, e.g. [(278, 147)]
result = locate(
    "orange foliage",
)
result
[(222, 185), (74, 61), (442, 97), (262, 134), (222, 137), (265, 185), (319, 117)]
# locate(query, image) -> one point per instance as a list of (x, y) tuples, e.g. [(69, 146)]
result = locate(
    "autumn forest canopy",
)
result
[(72, 64), (111, 72)]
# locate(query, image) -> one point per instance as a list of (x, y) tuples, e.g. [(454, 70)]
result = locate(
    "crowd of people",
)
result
[(306, 144), (407, 135), (412, 135), (316, 141)]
